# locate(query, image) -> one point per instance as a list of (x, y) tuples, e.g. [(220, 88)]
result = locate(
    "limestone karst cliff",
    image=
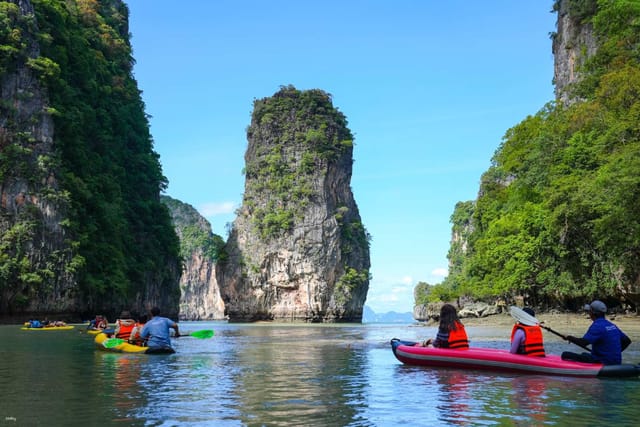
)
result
[(32, 205), (573, 43), (82, 228), (555, 212), (298, 250), (200, 249)]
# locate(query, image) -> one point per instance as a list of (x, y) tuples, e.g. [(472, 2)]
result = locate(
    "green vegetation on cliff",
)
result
[(557, 218), (292, 118), (194, 231), (110, 168), (298, 249), (120, 231)]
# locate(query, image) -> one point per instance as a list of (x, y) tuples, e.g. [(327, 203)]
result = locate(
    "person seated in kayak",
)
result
[(124, 325), (451, 332), (34, 323), (606, 339), (527, 339), (134, 338), (100, 322), (157, 330)]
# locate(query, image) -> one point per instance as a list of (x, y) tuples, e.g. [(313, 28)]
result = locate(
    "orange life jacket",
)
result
[(533, 343), (458, 337), (124, 328)]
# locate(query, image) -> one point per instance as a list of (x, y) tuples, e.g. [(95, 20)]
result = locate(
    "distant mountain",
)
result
[(370, 316)]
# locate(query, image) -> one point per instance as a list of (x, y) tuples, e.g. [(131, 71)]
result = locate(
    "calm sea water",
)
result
[(288, 375)]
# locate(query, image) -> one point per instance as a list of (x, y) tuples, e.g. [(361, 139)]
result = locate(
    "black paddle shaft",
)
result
[(564, 337)]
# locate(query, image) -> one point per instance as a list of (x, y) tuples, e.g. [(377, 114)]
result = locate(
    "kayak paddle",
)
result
[(202, 334), (527, 319), (522, 316), (112, 342)]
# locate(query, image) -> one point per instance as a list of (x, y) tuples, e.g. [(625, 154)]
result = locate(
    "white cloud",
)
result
[(214, 208), (387, 298), (399, 289), (440, 272), (388, 295)]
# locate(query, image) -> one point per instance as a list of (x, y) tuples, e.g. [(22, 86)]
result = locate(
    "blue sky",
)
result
[(428, 87)]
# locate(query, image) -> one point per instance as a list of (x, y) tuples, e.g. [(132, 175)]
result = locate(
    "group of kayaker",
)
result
[(34, 323), (127, 328), (154, 333), (606, 339)]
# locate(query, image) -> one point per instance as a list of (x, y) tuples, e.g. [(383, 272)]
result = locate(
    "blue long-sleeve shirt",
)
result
[(606, 341)]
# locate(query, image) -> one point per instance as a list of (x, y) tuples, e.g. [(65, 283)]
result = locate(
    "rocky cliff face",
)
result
[(33, 245), (298, 250), (573, 43), (199, 247), (82, 229)]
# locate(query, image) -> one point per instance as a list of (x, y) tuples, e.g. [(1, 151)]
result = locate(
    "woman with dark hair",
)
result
[(451, 333)]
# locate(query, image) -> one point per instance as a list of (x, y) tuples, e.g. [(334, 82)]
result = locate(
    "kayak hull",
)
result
[(503, 361), (49, 328), (125, 347)]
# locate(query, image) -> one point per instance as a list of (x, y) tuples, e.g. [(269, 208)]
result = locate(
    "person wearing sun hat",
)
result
[(124, 325), (606, 339), (527, 339)]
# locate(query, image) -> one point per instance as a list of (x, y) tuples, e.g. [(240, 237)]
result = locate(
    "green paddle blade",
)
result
[(203, 334), (112, 342)]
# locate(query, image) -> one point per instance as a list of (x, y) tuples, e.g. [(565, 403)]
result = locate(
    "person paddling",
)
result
[(157, 332), (606, 339)]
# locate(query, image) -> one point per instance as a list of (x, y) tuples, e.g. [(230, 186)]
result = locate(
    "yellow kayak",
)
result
[(49, 328), (125, 347)]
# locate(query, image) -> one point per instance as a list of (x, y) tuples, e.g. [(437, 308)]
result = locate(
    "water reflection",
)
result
[(529, 396), (281, 382), (253, 375), (454, 396)]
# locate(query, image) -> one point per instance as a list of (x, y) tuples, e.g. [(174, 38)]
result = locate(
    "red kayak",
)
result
[(503, 361)]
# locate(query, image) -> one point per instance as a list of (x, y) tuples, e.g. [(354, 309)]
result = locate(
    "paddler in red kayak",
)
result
[(527, 339), (606, 339), (451, 332)]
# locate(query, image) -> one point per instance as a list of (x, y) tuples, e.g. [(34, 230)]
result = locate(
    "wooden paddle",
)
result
[(527, 319), (202, 334)]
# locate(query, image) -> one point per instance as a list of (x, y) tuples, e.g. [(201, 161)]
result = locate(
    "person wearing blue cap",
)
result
[(606, 339)]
